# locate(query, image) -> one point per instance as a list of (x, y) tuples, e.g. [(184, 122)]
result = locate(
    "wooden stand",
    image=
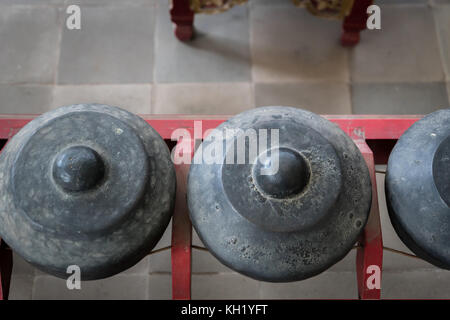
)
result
[(183, 18), (355, 22)]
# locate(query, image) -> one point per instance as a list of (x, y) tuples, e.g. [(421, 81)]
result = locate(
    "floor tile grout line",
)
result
[(147, 289), (33, 286), (31, 84), (405, 81), (324, 81), (250, 56), (350, 97), (32, 5), (444, 65), (299, 82), (59, 47), (153, 96), (448, 92), (350, 57)]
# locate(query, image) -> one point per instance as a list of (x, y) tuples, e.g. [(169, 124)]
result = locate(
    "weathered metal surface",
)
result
[(418, 188), (292, 225), (87, 185)]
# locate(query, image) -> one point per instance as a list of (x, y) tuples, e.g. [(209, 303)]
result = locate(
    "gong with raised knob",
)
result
[(417, 188), (291, 205), (87, 185)]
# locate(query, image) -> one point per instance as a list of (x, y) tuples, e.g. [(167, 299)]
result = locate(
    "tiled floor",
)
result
[(114, 45), (264, 53)]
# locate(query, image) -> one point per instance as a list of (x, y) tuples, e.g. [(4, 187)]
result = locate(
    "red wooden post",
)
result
[(355, 22), (181, 233), (6, 263), (369, 257), (183, 18)]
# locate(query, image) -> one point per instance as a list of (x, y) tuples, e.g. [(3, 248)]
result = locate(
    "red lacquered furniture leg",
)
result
[(6, 263), (369, 257), (355, 22), (183, 18), (181, 236)]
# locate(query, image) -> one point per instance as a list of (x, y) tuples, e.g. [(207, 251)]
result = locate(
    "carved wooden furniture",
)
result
[(352, 12)]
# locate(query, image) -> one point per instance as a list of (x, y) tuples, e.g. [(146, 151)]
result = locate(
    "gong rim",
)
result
[(280, 255), (122, 240), (417, 208)]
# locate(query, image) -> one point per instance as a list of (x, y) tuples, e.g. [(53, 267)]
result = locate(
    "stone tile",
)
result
[(295, 46), (30, 39), (25, 98), (442, 16), (196, 239), (219, 52), (398, 98), (224, 286), (114, 45), (160, 287), (394, 261), (166, 239), (21, 267), (395, 53), (415, 285), (328, 285), (21, 287), (205, 262), (33, 2), (40, 273), (118, 287), (135, 98), (39, 99), (207, 98), (348, 264), (321, 98), (140, 268), (160, 262), (400, 263)]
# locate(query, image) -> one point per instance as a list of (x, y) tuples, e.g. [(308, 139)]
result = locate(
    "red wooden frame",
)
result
[(183, 18), (365, 130), (370, 250), (182, 236)]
